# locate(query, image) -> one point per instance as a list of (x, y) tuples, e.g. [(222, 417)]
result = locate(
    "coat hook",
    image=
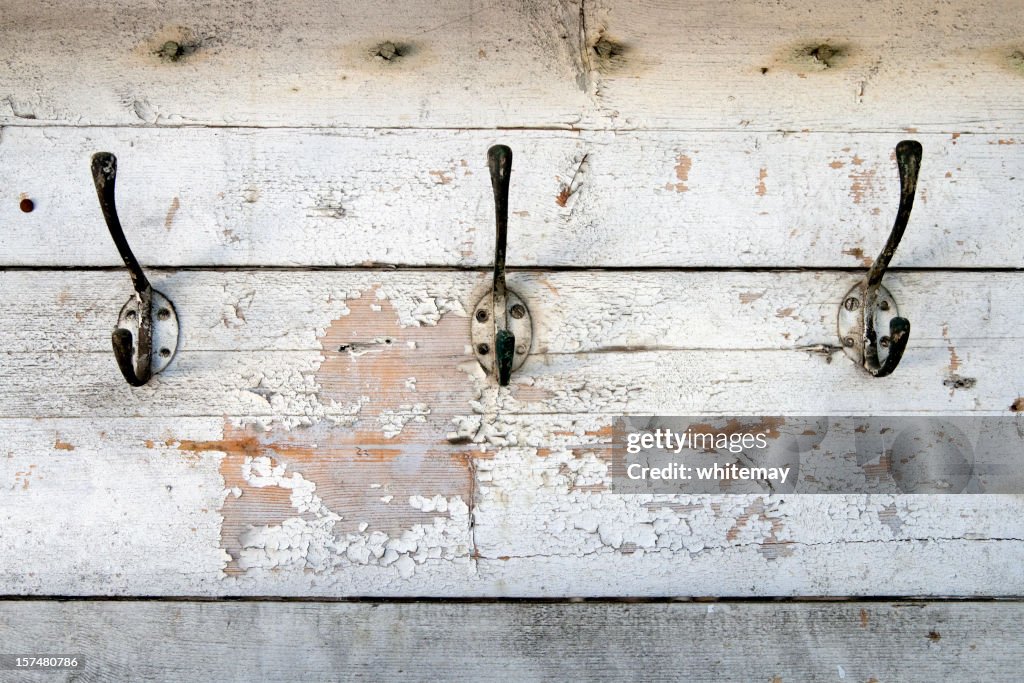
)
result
[(501, 321), (142, 346), (869, 306)]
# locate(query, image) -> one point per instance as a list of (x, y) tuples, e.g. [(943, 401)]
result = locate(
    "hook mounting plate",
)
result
[(164, 332), (482, 329), (851, 321)]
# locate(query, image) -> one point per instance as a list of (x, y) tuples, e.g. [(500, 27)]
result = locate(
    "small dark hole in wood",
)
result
[(483, 349)]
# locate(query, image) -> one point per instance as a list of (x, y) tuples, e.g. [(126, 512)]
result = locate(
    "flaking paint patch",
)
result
[(858, 253), (321, 496), (682, 168), (761, 188), (862, 184), (171, 211)]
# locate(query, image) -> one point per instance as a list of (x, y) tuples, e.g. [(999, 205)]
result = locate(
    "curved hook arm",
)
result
[(908, 160), (499, 161), (122, 342), (134, 356), (104, 175)]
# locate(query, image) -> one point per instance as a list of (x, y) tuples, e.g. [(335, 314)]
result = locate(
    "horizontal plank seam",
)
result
[(942, 129), (888, 600), (525, 270)]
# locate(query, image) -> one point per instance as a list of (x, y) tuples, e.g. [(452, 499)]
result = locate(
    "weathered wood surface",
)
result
[(210, 197), (328, 432), (268, 459), (289, 345), (587, 64), (719, 641)]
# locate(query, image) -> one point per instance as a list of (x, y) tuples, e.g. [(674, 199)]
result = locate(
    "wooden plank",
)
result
[(911, 641), (193, 197), (895, 66), (595, 64), (295, 64), (607, 343), (207, 506)]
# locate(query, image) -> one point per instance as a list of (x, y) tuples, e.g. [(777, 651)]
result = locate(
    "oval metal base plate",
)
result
[(481, 330), (165, 328), (851, 322)]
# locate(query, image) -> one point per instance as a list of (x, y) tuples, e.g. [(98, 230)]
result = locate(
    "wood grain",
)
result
[(908, 641), (216, 197), (297, 346), (599, 64), (328, 433)]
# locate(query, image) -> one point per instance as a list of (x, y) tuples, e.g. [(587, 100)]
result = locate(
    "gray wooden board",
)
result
[(713, 641)]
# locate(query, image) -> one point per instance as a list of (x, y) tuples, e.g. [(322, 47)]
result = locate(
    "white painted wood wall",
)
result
[(692, 194)]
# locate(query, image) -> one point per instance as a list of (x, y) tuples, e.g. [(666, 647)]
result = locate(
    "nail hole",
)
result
[(165, 352), (163, 314), (483, 349), (387, 341), (27, 205), (131, 315), (884, 305), (764, 70), (481, 316), (518, 311)]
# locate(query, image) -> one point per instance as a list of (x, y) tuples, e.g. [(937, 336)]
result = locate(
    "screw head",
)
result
[(847, 341), (884, 305), (26, 205), (852, 303), (520, 349), (517, 311), (131, 315), (163, 314), (483, 349), (884, 342), (165, 352), (481, 316)]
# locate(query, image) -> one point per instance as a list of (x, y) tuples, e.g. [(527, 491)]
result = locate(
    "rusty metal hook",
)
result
[(133, 337), (869, 306), (501, 321)]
